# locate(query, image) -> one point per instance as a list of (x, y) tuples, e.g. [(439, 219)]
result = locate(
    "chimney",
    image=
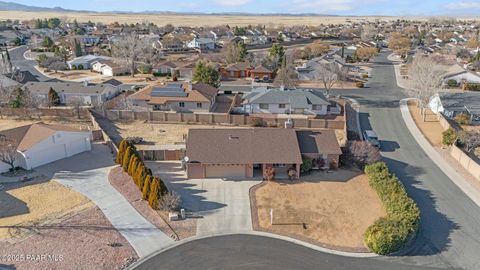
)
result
[(85, 83), (189, 85), (289, 123), (282, 87)]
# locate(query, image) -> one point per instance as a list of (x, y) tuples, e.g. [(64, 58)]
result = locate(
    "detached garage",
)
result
[(39, 144)]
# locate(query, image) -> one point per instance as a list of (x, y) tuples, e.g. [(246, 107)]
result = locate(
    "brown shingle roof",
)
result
[(318, 142), (200, 93), (29, 135), (243, 146)]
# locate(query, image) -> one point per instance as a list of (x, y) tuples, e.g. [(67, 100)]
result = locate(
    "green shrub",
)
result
[(452, 83), (80, 67), (391, 233), (360, 84), (365, 76), (471, 86), (462, 119), (449, 136), (306, 164)]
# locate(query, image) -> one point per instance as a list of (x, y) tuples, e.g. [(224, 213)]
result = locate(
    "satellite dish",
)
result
[(186, 159)]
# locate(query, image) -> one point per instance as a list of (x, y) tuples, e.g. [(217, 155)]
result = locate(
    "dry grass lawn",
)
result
[(188, 20), (10, 122), (336, 209), (431, 128), (159, 133), (36, 203)]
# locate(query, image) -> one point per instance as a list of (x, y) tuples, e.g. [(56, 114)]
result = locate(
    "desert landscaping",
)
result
[(310, 211)]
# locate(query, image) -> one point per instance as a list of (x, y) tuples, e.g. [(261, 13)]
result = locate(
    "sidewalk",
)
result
[(451, 173)]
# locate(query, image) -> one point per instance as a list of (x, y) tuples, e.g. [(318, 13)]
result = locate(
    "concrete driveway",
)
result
[(87, 173), (223, 205)]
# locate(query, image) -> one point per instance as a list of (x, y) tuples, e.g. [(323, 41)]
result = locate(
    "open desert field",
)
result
[(188, 20)]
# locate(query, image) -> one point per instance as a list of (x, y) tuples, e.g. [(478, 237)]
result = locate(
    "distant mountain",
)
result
[(10, 6)]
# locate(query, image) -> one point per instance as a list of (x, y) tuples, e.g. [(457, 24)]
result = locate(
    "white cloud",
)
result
[(232, 3), (464, 5), (330, 5)]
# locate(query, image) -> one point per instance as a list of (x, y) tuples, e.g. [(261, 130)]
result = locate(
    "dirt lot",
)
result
[(37, 202), (431, 128), (10, 122), (329, 209), (84, 241), (72, 74), (159, 133), (177, 230)]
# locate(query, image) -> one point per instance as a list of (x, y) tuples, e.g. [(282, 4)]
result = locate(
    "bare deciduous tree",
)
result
[(363, 153), (329, 74), (425, 80), (170, 201), (132, 49), (470, 140), (8, 151), (286, 74), (76, 103)]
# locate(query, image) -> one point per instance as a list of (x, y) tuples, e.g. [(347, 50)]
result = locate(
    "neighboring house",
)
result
[(203, 44), (109, 68), (248, 152), (452, 104), (261, 72), (185, 71), (236, 70), (39, 144), (90, 94), (85, 62), (277, 101), (166, 67), (183, 97), (464, 76)]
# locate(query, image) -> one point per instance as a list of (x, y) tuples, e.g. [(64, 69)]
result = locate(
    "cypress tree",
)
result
[(153, 194), (138, 172), (121, 152), (126, 158), (132, 166), (146, 187), (143, 176)]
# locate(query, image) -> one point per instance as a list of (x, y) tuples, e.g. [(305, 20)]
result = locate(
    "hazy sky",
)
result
[(337, 7)]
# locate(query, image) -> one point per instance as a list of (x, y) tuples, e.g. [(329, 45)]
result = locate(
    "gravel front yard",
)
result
[(431, 128), (10, 122), (84, 241), (328, 209)]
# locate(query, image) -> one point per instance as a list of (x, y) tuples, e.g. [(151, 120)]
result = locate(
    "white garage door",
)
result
[(44, 156), (77, 147), (225, 171)]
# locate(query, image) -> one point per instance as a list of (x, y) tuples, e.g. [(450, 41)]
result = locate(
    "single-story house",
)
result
[(278, 101), (248, 152), (236, 70), (85, 62), (451, 104), (109, 68), (183, 97), (166, 67), (464, 76), (38, 144), (202, 44), (261, 72), (91, 94)]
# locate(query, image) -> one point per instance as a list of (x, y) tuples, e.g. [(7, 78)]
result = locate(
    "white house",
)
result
[(202, 44), (91, 94), (451, 104), (109, 68), (39, 144), (463, 76), (85, 62), (278, 101)]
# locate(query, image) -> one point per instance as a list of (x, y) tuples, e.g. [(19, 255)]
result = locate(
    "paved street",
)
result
[(224, 205), (19, 61), (90, 178)]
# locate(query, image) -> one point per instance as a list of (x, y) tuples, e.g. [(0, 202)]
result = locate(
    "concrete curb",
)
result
[(255, 233), (457, 179)]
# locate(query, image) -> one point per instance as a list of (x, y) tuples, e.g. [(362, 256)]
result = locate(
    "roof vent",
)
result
[(233, 137)]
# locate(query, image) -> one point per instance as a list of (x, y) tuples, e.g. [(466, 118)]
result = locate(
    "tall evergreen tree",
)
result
[(53, 98), (154, 193), (126, 158), (146, 187), (121, 151)]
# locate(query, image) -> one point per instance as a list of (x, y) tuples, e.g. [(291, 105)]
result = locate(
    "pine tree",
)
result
[(154, 193), (143, 176), (53, 98), (126, 158), (146, 187), (132, 166), (138, 172)]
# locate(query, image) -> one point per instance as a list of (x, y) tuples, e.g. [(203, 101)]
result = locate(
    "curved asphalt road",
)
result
[(19, 61), (449, 236)]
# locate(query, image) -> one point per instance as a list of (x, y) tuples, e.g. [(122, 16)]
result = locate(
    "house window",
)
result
[(181, 104), (199, 105), (281, 106), (264, 106)]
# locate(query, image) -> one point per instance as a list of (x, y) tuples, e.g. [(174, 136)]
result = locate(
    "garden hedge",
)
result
[(392, 232)]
